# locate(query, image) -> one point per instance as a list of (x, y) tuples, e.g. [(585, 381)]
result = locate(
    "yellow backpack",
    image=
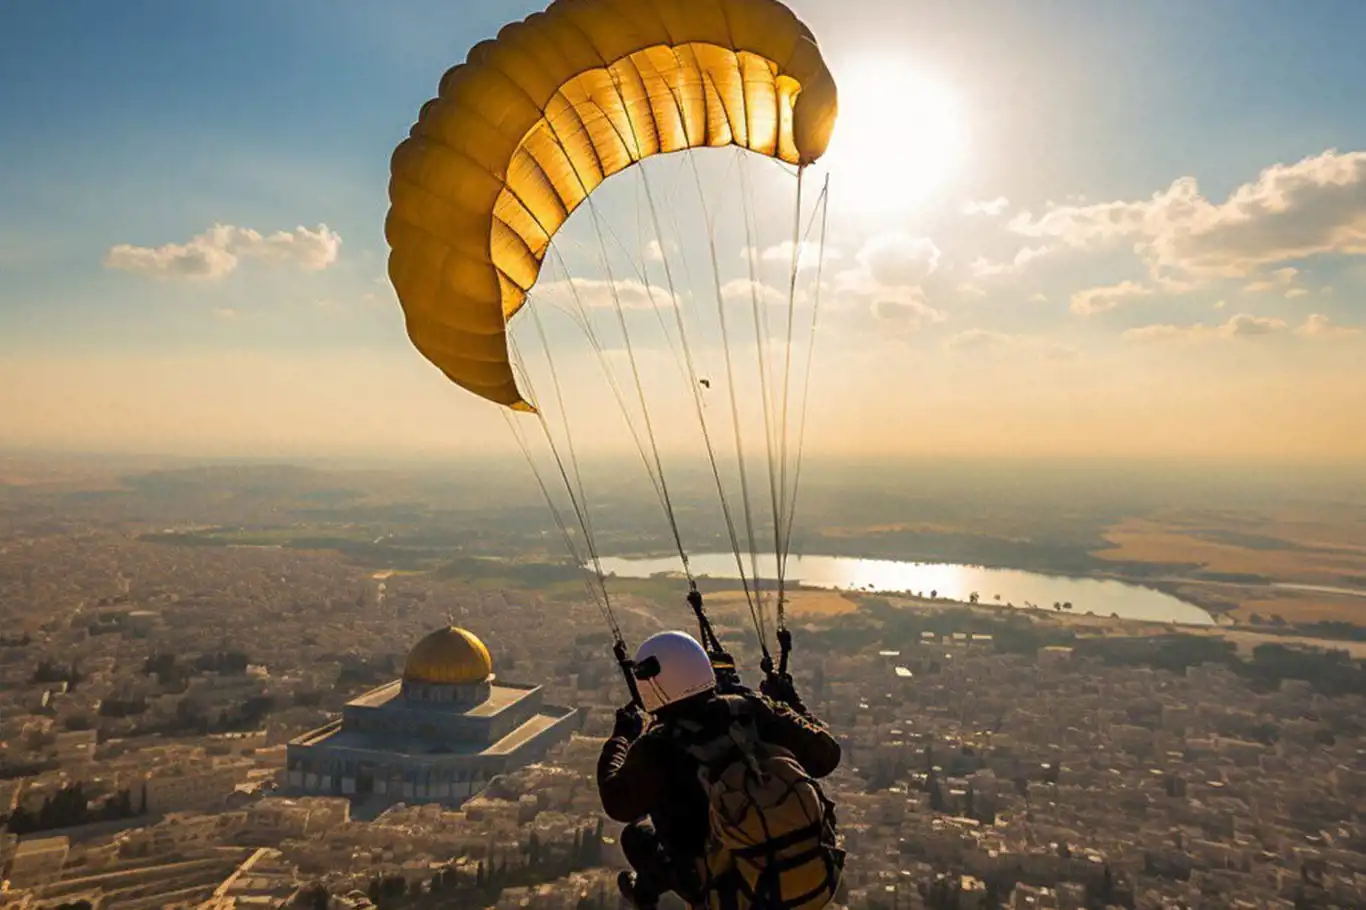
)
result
[(772, 829)]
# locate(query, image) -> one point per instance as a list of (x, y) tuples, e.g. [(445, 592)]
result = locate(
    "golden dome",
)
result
[(449, 656)]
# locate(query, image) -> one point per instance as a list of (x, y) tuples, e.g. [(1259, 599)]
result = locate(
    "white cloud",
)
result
[(1318, 326), (224, 313), (1291, 211), (898, 259), (1280, 278), (1241, 326), (905, 309), (596, 293), (809, 257), (654, 252), (1099, 300), (1038, 298), (990, 208), (221, 249), (1246, 326), (984, 268), (745, 291)]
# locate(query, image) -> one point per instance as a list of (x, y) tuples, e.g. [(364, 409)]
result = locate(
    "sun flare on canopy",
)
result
[(900, 137)]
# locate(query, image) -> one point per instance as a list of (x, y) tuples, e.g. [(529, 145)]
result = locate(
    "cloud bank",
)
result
[(219, 251), (1294, 211)]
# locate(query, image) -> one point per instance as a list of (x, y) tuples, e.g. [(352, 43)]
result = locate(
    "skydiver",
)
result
[(648, 780)]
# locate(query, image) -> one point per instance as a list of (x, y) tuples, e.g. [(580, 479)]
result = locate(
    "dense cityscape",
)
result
[(990, 759)]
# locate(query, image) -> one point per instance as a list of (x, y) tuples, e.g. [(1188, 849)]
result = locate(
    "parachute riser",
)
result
[(727, 676), (708, 635), (628, 672)]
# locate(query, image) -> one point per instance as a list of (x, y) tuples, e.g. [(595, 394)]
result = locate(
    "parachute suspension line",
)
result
[(691, 375), (787, 382), (756, 604), (694, 382), (581, 502), (661, 482), (751, 597), (596, 594), (576, 499), (824, 203), (656, 473), (761, 336), (580, 317), (644, 272), (750, 584), (756, 608)]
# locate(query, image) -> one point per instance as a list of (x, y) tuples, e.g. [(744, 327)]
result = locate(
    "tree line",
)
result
[(71, 806)]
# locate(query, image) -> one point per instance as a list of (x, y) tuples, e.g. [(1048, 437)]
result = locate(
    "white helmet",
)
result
[(670, 667)]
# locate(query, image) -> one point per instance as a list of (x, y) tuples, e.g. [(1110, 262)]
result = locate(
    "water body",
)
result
[(952, 582)]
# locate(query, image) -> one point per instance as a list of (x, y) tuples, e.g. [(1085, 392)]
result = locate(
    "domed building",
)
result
[(439, 734)]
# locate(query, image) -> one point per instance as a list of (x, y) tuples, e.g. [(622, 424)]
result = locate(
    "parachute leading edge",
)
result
[(536, 119)]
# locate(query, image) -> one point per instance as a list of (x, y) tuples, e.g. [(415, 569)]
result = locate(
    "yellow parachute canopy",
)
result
[(539, 117)]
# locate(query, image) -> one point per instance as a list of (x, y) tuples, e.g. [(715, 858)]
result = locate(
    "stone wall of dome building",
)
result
[(393, 711), (320, 768), (390, 777)]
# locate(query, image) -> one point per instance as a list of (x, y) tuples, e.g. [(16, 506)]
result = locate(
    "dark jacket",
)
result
[(654, 776)]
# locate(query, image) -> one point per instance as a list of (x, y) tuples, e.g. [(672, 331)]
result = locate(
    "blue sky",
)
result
[(143, 124)]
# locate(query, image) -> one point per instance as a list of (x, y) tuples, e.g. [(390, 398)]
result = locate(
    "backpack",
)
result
[(772, 837)]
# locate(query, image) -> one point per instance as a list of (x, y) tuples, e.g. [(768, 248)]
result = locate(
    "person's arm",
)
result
[(806, 738), (630, 778)]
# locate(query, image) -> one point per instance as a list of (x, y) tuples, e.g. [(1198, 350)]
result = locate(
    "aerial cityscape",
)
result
[(169, 704), (683, 455)]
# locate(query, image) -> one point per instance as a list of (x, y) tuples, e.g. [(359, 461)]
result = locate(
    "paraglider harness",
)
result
[(772, 841)]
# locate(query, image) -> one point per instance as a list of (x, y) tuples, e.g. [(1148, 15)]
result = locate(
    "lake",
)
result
[(952, 582)]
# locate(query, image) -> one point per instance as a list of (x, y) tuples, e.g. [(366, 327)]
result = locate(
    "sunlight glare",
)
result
[(899, 138)]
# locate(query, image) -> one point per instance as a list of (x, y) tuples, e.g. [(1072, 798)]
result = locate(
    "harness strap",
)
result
[(830, 886), (778, 844)]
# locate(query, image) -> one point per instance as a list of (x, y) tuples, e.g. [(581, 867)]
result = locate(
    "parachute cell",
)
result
[(536, 119)]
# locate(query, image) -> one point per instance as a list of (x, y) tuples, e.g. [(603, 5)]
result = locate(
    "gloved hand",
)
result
[(629, 724), (779, 687)]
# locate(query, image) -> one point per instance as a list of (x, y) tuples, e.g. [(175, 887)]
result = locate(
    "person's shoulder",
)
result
[(750, 704)]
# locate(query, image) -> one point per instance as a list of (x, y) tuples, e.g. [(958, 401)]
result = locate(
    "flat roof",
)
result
[(501, 697), (415, 746), (31, 845), (534, 726)]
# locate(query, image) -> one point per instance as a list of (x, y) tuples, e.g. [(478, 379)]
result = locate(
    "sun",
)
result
[(900, 136)]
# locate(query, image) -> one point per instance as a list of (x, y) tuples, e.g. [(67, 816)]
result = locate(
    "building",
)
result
[(193, 786), (439, 734), (38, 861)]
